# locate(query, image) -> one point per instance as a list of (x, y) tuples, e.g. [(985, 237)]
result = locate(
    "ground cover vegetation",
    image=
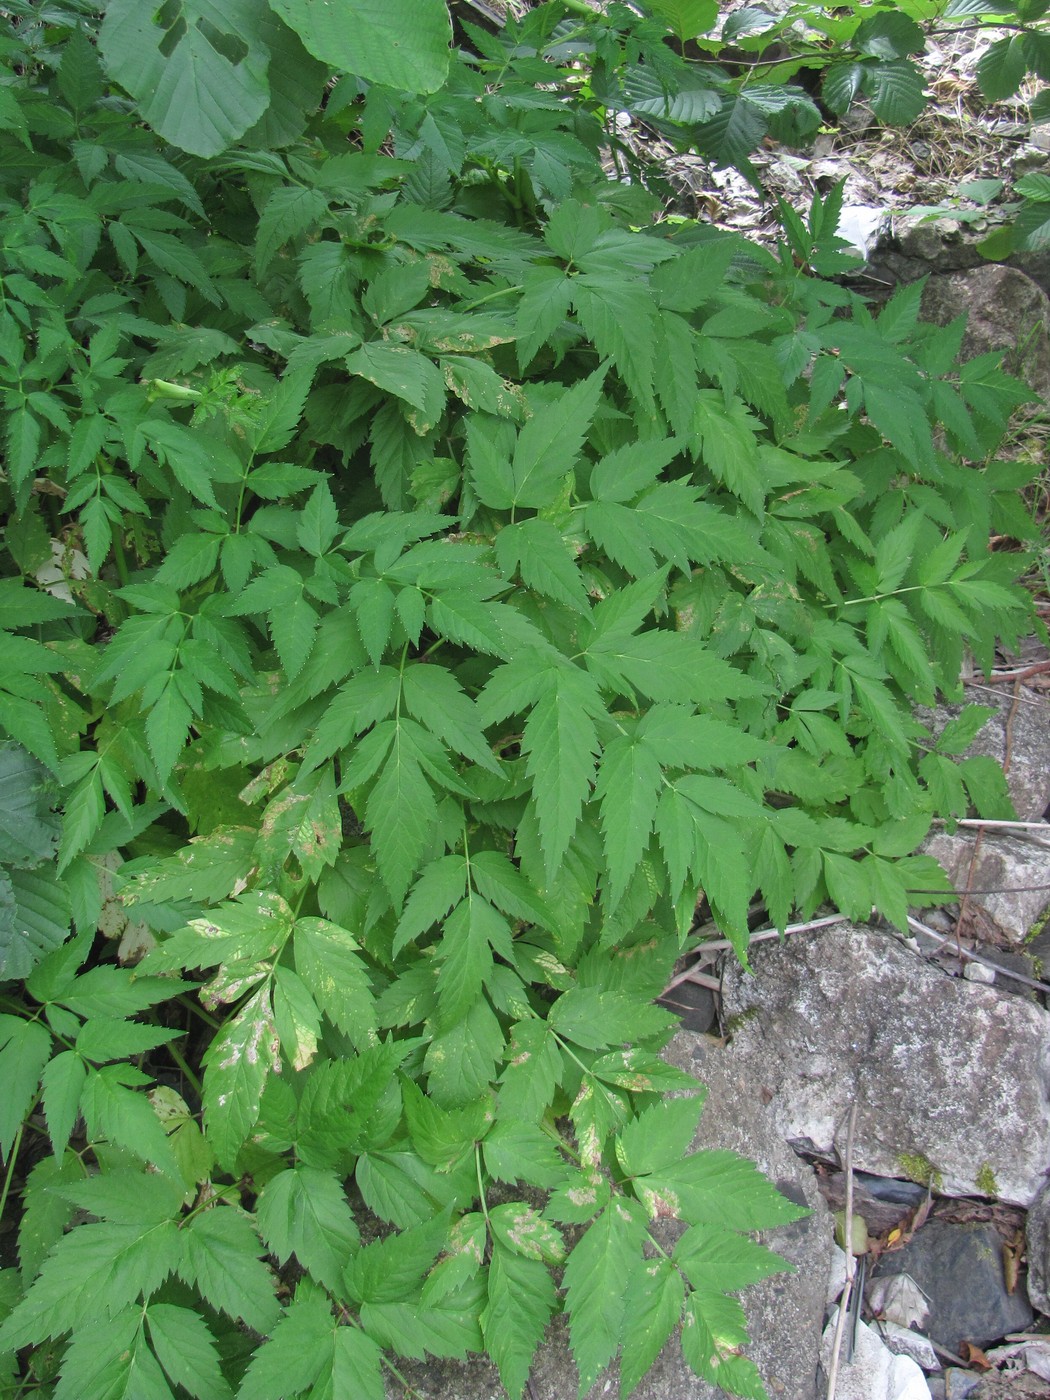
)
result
[(424, 573)]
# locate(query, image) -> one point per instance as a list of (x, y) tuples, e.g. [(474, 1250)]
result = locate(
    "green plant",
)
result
[(475, 575)]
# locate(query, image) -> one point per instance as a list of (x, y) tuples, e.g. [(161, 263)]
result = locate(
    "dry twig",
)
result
[(851, 1262)]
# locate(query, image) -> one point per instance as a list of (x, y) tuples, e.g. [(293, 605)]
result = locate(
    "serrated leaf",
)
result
[(187, 1351), (63, 1082), (115, 1112), (520, 1303), (442, 1136), (595, 1019), (653, 1307), (433, 696), (26, 1049), (91, 1274), (407, 375), (167, 726), (987, 787), (470, 936), (297, 1018), (595, 1283), (660, 1136), (297, 1351), (628, 784), (719, 1188), (391, 1270), (717, 1260), (522, 1152), (561, 744), (1002, 67), (112, 1363), (538, 551), (713, 1332), (305, 1212), (220, 1257), (550, 442), (532, 1073), (400, 813), (686, 18), (897, 91), (327, 958)]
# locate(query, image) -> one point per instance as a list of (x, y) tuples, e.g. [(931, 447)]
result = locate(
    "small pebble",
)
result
[(977, 972)]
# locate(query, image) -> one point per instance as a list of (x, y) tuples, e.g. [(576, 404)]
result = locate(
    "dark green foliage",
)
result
[(425, 576)]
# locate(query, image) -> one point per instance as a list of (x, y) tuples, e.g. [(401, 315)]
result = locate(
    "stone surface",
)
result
[(902, 1341), (1009, 874), (1028, 747), (959, 1268), (1006, 310), (1011, 1387), (956, 1384), (1031, 1355), (784, 1313), (950, 1077), (1037, 1238), (874, 1373)]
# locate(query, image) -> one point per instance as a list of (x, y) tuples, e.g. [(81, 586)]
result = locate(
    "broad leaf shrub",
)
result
[(423, 577)]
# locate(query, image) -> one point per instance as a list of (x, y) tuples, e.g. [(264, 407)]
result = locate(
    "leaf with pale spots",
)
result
[(237, 1064), (523, 1231)]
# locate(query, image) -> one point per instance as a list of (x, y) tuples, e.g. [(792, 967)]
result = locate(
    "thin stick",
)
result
[(1036, 704), (997, 826), (701, 979), (851, 1262), (996, 676), (977, 957), (723, 944)]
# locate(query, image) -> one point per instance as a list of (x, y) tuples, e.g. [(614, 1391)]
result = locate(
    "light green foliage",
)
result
[(463, 574)]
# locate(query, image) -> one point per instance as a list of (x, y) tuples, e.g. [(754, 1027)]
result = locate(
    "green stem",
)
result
[(180, 1059), (120, 559), (196, 1009), (12, 1158), (491, 296), (481, 1187)]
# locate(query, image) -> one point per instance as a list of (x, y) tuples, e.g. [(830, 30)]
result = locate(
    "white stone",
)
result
[(902, 1341), (874, 1373)]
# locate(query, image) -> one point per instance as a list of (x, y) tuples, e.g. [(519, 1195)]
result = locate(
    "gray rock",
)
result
[(902, 1341), (1010, 1386), (1037, 1238), (1005, 310), (959, 1268), (1009, 960), (784, 1313), (957, 1384), (875, 1372), (952, 1079), (1010, 875)]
